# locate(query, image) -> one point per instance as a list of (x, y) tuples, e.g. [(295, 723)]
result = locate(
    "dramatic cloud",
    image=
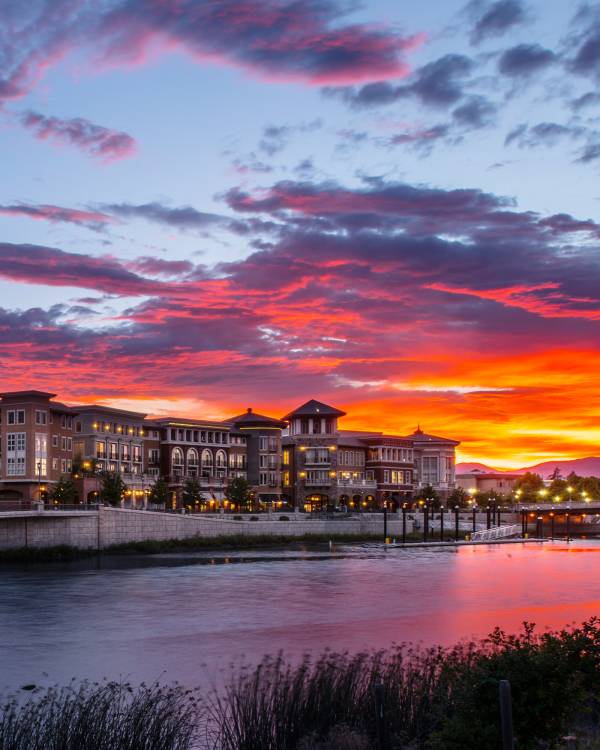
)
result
[(278, 39), (94, 140), (95, 220), (586, 41), (184, 217), (386, 298), (493, 19), (524, 60), (476, 112)]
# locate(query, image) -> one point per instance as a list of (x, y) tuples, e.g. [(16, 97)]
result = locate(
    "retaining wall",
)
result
[(109, 526)]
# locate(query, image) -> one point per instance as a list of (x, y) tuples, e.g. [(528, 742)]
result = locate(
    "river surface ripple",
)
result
[(189, 617)]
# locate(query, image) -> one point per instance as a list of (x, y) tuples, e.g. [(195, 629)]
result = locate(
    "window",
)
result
[(430, 470), (192, 457), (15, 453), (100, 450), (63, 465), (41, 417), (177, 462), (154, 455), (286, 478), (272, 444), (221, 459), (263, 478), (386, 476), (41, 454), (241, 461), (69, 444), (55, 441), (15, 417), (137, 453), (286, 457), (55, 464), (264, 444)]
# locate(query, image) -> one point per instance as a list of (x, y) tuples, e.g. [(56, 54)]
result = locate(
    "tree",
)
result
[(192, 492), (459, 497), (239, 491), (530, 485), (160, 494), (112, 488), (428, 493), (64, 492)]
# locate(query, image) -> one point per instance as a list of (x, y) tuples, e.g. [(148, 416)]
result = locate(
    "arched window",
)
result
[(221, 460), (177, 462), (192, 457), (207, 459)]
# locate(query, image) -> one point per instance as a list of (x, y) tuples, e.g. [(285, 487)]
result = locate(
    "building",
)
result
[(115, 440), (325, 467), (496, 483), (262, 440), (303, 459), (36, 439)]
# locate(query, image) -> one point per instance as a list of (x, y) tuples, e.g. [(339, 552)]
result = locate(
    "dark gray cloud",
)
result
[(585, 41), (439, 83), (591, 99), (476, 112), (542, 134), (492, 19), (525, 60)]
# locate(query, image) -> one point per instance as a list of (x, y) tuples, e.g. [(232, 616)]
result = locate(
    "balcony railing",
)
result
[(366, 483), (326, 482)]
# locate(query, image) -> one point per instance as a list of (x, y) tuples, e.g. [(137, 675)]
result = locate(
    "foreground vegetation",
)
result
[(435, 699)]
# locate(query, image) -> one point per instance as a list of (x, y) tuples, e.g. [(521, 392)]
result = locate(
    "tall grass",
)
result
[(434, 699), (102, 716)]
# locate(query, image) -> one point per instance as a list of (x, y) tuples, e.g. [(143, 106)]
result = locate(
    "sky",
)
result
[(391, 207)]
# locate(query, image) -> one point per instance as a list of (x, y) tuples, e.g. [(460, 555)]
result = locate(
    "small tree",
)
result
[(63, 492), (239, 491), (159, 492), (112, 488), (429, 494), (192, 492), (530, 484), (459, 497)]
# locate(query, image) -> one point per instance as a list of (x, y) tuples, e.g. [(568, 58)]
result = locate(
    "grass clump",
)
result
[(102, 716)]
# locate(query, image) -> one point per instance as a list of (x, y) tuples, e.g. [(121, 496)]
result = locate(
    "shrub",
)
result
[(237, 518), (254, 518), (284, 518)]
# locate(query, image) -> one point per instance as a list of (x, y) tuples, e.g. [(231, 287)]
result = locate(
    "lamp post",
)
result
[(385, 520), (442, 523), (404, 523), (425, 522), (456, 523)]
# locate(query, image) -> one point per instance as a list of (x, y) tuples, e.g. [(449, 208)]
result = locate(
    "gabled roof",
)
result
[(253, 419), (314, 408)]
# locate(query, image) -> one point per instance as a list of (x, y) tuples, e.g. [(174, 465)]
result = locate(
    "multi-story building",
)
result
[(304, 458), (324, 466), (115, 440), (262, 437), (36, 444), (200, 450)]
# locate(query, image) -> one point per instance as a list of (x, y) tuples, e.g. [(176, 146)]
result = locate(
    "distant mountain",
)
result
[(585, 467)]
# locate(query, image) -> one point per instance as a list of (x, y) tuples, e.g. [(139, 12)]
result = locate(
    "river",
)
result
[(189, 617)]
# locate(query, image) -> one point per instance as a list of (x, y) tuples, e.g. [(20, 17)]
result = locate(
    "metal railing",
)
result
[(497, 532)]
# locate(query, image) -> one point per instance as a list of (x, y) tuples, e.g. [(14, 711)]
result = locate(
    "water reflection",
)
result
[(188, 616)]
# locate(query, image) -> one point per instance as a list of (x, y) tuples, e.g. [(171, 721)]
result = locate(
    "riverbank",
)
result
[(62, 553)]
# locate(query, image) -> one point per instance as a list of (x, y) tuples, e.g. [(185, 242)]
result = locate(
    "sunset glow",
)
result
[(210, 206)]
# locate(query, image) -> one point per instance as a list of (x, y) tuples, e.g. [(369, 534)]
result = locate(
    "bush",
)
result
[(284, 518), (237, 518), (435, 699), (254, 518)]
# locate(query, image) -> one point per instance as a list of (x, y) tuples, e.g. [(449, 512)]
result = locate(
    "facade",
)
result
[(262, 439), (325, 467), (36, 444), (115, 440), (303, 459), (498, 483)]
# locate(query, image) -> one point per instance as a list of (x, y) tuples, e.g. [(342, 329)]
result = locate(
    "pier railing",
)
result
[(497, 532)]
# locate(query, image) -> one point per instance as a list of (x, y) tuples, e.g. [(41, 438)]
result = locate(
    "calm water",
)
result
[(190, 617)]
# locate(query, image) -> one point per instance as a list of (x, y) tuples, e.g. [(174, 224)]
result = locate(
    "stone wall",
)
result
[(109, 526)]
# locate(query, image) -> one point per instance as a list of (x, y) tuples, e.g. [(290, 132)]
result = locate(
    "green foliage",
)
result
[(160, 494), (239, 491), (435, 699), (112, 488), (428, 493), (192, 492), (529, 484), (459, 497), (63, 492)]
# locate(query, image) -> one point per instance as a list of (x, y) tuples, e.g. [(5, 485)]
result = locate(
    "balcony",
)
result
[(325, 482), (367, 484)]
